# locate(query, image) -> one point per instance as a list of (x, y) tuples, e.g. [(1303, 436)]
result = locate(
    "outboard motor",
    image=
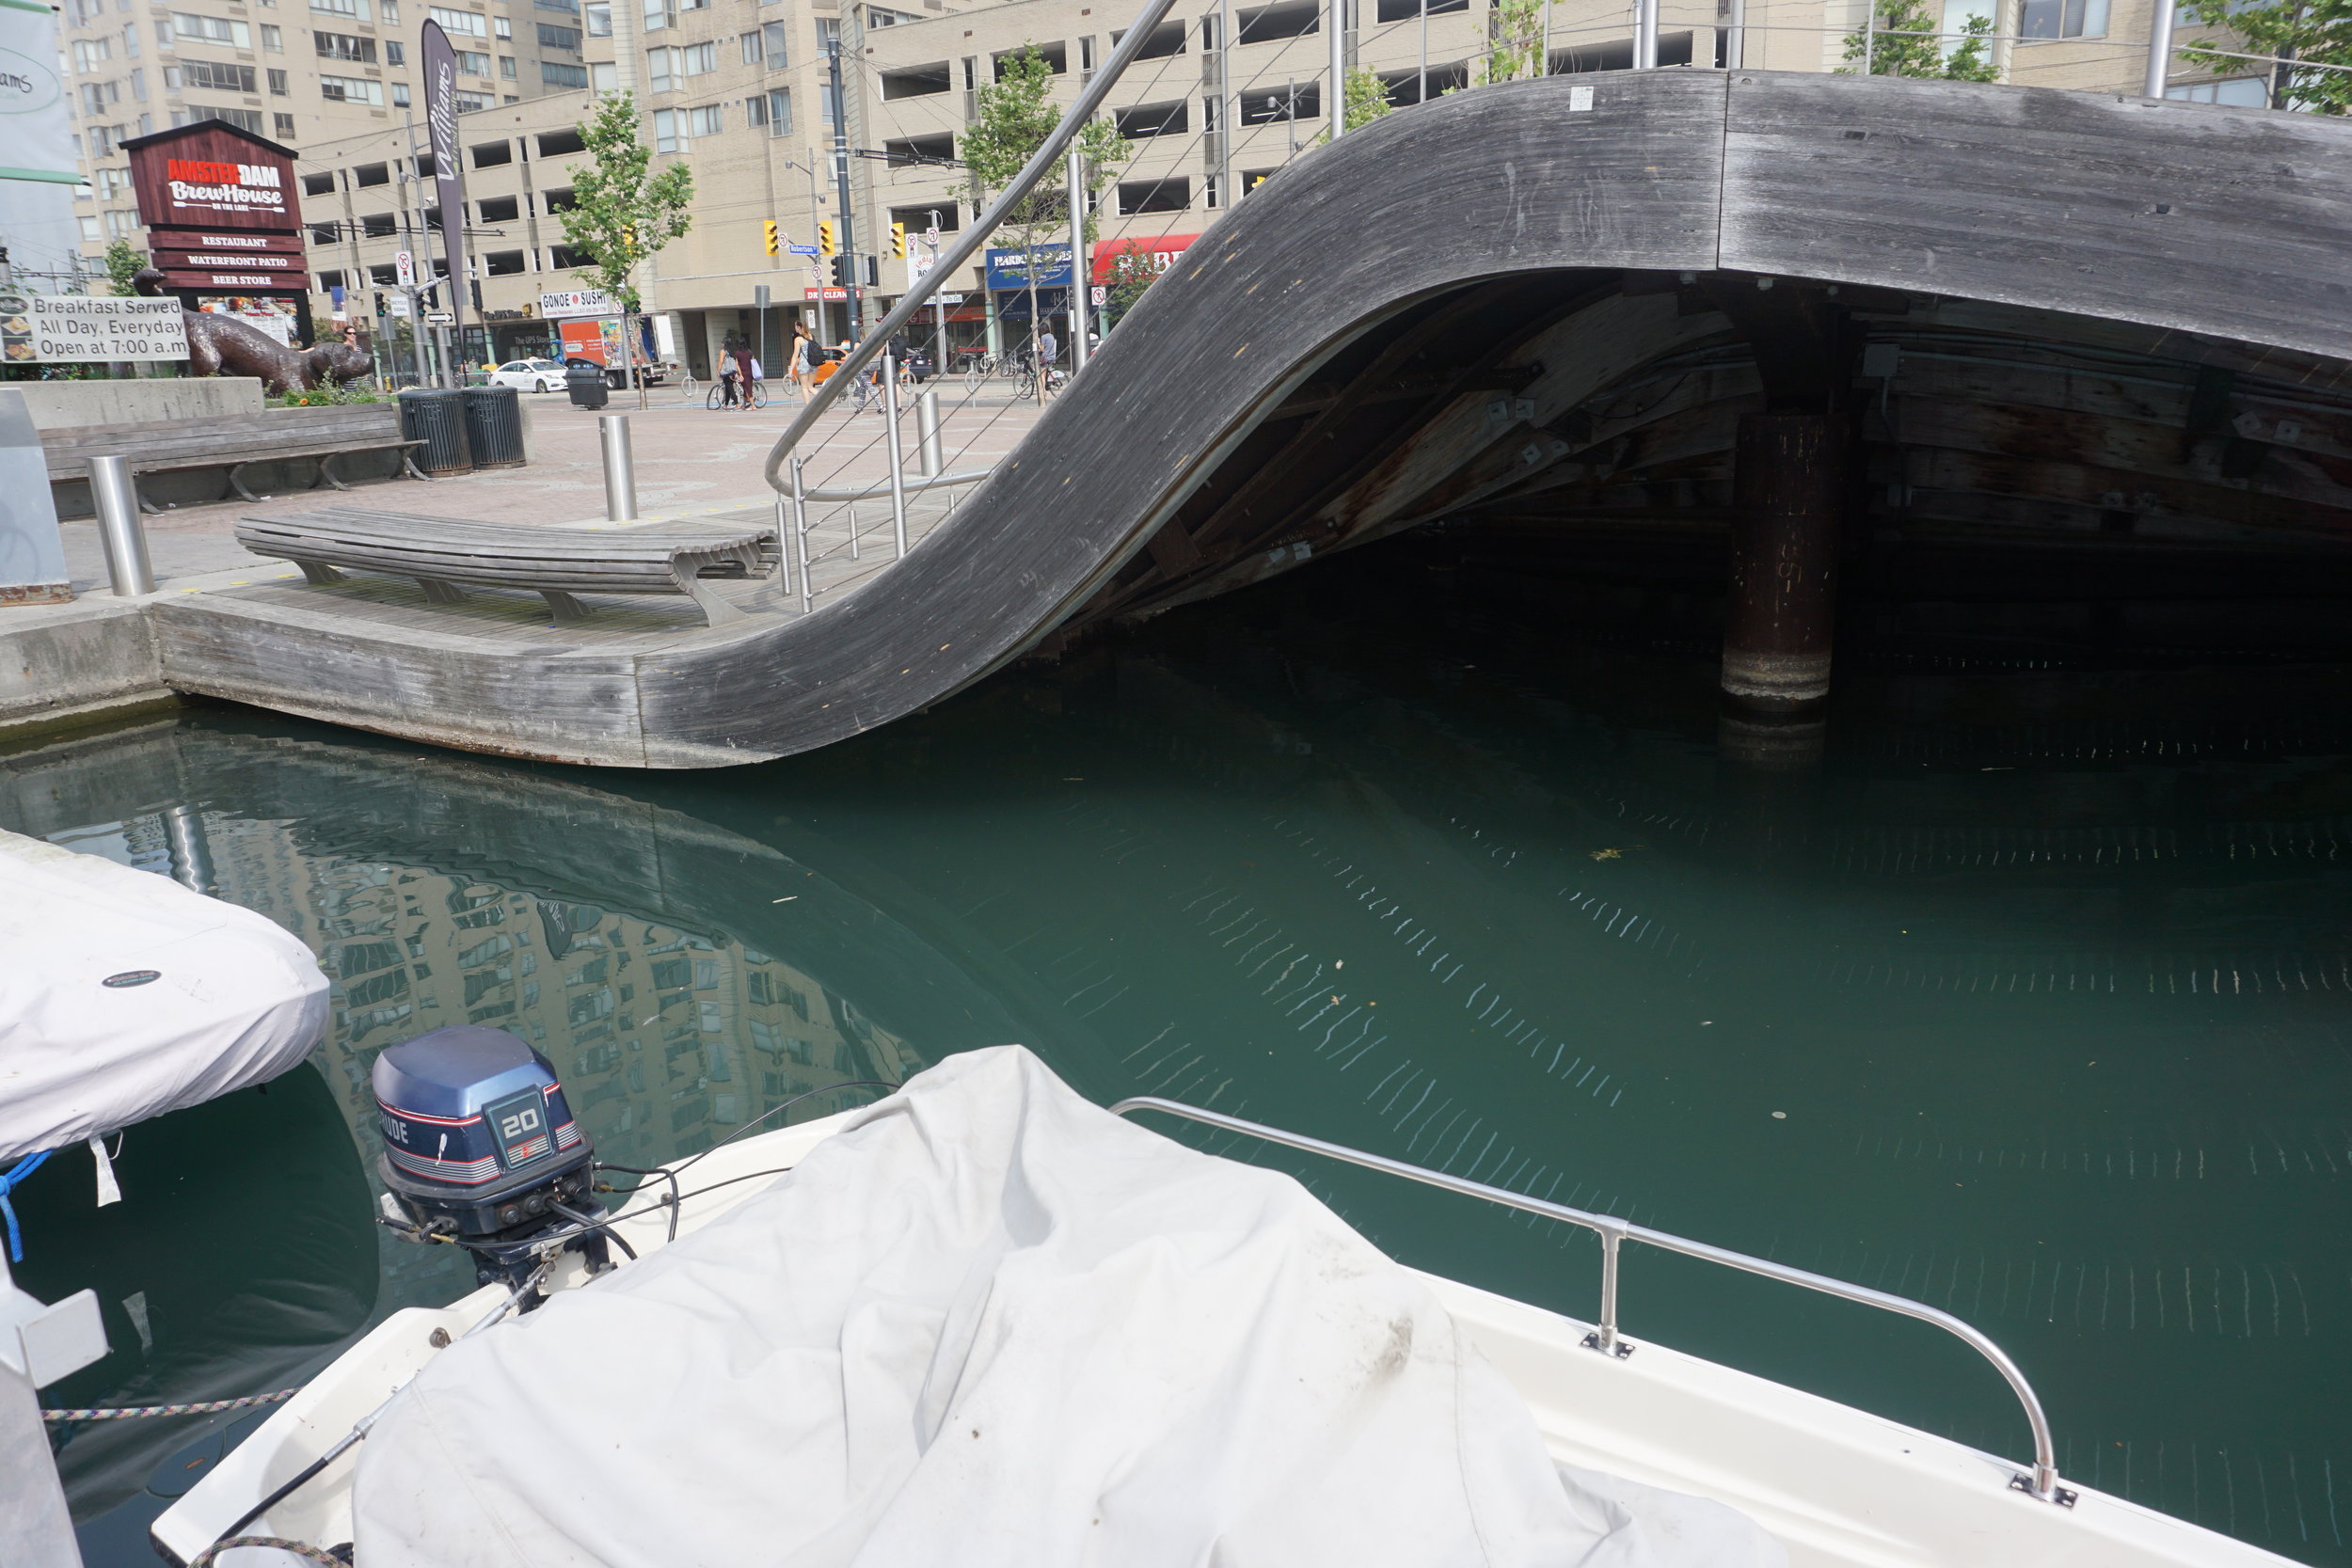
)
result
[(479, 1147)]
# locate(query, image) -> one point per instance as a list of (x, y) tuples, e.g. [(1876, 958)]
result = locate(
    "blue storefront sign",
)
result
[(1009, 268)]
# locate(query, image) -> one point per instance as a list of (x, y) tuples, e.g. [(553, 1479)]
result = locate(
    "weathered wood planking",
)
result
[(1503, 195)]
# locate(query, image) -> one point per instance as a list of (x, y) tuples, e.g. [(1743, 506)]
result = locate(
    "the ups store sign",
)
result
[(219, 207)]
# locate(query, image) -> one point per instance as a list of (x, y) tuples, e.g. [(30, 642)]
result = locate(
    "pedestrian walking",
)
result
[(740, 351), (803, 359)]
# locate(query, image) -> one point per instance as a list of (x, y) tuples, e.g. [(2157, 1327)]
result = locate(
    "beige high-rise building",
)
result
[(1222, 98)]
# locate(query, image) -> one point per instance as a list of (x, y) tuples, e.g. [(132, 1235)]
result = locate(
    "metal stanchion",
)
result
[(929, 454), (800, 532), (784, 548), (119, 526), (1645, 34), (2160, 24), (620, 469), (898, 455), (1080, 272)]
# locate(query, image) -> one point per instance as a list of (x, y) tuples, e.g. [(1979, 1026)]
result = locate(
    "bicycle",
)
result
[(756, 398)]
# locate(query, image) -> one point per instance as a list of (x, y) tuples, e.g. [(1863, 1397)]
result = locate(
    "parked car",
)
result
[(528, 375)]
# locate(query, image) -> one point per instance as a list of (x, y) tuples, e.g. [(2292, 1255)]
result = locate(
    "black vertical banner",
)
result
[(440, 117)]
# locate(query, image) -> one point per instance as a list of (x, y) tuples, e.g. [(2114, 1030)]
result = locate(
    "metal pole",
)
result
[(1870, 37), (119, 526), (854, 308), (2159, 50), (898, 455), (620, 469), (800, 531), (1646, 35), (1081, 274), (783, 546), (1607, 1324), (1736, 44), (1335, 107), (928, 449)]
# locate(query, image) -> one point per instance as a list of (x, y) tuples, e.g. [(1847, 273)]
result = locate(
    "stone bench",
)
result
[(442, 554), (233, 442)]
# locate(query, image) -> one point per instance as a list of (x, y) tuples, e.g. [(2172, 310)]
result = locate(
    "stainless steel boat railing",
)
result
[(1613, 1233)]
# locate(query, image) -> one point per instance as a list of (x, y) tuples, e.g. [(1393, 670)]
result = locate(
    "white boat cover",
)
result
[(235, 1000), (991, 1324)]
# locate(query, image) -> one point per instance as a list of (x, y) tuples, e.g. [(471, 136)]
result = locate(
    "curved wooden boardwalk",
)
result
[(1417, 320)]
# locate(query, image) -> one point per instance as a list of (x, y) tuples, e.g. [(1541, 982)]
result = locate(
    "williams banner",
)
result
[(449, 185)]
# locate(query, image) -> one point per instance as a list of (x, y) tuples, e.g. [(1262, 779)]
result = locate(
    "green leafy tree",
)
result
[(1901, 38), (1131, 273), (123, 262), (1014, 117), (2317, 31), (624, 211), (1515, 42), (1367, 100)]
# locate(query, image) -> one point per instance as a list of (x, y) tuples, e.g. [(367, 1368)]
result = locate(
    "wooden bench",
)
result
[(441, 553), (276, 434)]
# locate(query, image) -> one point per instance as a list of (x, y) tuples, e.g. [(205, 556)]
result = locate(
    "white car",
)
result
[(530, 375)]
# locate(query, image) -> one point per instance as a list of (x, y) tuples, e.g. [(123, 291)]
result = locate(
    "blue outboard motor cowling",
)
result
[(478, 1145)]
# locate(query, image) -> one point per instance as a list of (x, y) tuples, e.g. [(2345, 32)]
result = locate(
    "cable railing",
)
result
[(2041, 1482)]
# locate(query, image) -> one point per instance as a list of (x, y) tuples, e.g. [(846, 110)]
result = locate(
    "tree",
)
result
[(1367, 100), (2317, 31), (123, 262), (1904, 38), (1515, 42), (1012, 118), (623, 212), (1131, 273)]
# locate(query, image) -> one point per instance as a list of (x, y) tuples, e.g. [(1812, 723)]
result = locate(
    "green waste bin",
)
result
[(436, 417), (494, 426)]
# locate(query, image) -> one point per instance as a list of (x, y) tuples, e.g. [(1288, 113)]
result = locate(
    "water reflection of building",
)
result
[(666, 1039)]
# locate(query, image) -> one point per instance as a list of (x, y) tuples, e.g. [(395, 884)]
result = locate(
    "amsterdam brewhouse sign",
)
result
[(220, 210)]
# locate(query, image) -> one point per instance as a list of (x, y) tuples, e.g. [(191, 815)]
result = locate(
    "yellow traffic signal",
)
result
[(898, 241), (775, 247), (828, 243)]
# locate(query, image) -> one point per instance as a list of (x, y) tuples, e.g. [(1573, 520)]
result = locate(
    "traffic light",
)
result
[(775, 247), (898, 242), (842, 275), (828, 243)]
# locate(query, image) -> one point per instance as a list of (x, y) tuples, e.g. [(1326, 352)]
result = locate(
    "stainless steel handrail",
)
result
[(2043, 1484), (968, 476), (1041, 163)]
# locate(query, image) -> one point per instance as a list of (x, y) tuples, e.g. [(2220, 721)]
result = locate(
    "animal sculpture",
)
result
[(223, 345)]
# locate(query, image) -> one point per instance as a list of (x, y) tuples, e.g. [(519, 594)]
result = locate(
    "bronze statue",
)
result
[(219, 345)]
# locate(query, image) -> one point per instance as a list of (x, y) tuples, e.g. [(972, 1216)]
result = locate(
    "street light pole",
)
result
[(1336, 109), (841, 189), (2159, 50), (1081, 275)]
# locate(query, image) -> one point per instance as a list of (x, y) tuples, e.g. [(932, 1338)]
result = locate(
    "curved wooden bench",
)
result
[(441, 553)]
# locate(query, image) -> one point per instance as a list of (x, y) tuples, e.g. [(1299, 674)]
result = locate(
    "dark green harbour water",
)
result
[(2048, 969)]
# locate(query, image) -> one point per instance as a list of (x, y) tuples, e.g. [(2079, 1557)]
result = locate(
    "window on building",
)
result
[(1405, 10), (559, 74), (344, 46), (284, 126), (350, 89), (212, 29), (1292, 19), (665, 134), (384, 274), (356, 9), (1167, 39), (391, 11), (1154, 196), (377, 226), (470, 102), (556, 144), (470, 24), (1292, 100), (506, 67), (277, 83), (506, 263), (2064, 19), (658, 14), (122, 225), (131, 41), (553, 37), (318, 185), (1151, 120), (908, 152), (605, 77), (774, 45), (473, 62), (326, 233), (1057, 57), (330, 280), (273, 38), (243, 120), (87, 53), (749, 43), (400, 95), (2247, 92), (499, 209), (917, 80), (503, 29), (139, 83), (164, 31), (214, 76), (112, 182), (596, 19), (89, 229), (919, 218), (559, 200), (146, 123), (364, 175), (562, 256), (707, 120)]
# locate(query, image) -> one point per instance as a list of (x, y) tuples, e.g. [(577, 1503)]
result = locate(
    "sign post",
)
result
[(448, 186), (219, 208)]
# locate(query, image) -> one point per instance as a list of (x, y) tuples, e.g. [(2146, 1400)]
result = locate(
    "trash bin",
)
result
[(436, 417), (494, 426), (584, 380)]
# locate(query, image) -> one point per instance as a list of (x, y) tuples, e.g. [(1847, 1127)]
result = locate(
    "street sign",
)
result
[(405, 268), (1102, 295), (948, 299), (439, 318), (931, 236), (759, 297), (800, 249)]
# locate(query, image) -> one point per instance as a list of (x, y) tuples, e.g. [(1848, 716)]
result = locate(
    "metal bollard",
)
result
[(800, 534), (620, 469), (897, 457), (119, 528), (929, 451)]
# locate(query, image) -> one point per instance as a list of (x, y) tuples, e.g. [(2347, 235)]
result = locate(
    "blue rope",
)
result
[(9, 1183)]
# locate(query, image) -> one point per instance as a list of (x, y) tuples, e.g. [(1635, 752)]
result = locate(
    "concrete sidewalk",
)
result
[(691, 461)]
